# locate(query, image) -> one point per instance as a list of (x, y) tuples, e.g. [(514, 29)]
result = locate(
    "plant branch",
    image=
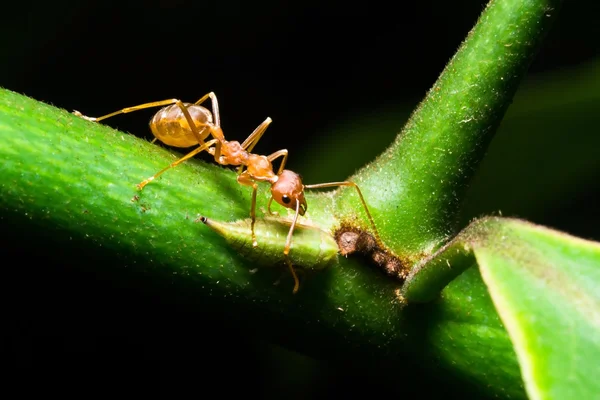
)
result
[(75, 180), (415, 188), (71, 183)]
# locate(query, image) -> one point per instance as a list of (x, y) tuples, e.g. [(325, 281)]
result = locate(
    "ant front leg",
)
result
[(281, 153), (288, 245), (362, 199), (245, 179), (269, 208)]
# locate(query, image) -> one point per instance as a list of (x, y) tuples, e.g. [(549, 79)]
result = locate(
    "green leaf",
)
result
[(546, 287)]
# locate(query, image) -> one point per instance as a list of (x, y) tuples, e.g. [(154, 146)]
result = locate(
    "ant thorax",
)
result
[(260, 168), (232, 153)]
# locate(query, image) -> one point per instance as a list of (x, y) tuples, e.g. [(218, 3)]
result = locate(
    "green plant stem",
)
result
[(415, 188), (74, 181)]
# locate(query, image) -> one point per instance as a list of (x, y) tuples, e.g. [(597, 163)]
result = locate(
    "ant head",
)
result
[(288, 189)]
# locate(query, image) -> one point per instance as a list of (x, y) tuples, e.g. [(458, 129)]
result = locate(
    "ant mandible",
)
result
[(184, 125)]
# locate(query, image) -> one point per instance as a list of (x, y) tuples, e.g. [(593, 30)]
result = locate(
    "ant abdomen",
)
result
[(170, 126)]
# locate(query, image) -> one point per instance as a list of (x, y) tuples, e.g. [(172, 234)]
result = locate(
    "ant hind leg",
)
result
[(215, 107), (128, 109)]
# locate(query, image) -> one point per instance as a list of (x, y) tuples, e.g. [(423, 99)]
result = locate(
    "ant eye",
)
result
[(286, 199)]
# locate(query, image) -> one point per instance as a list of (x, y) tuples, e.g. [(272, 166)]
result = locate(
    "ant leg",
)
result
[(254, 137), (293, 271), (269, 207), (215, 106), (253, 214), (161, 103), (216, 152), (299, 272), (129, 109), (197, 150), (281, 153), (191, 123), (216, 132), (288, 244), (362, 199), (245, 179)]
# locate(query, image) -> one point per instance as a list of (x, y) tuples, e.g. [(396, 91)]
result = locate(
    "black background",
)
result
[(304, 65)]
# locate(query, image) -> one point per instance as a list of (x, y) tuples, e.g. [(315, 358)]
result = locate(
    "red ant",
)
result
[(184, 125)]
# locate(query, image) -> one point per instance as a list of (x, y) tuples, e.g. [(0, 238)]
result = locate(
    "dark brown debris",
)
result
[(354, 241)]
